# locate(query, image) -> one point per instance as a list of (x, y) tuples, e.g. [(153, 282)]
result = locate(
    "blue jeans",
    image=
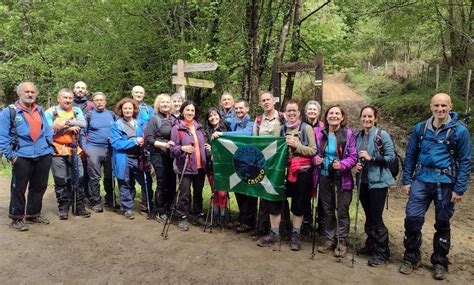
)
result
[(127, 193), (421, 196)]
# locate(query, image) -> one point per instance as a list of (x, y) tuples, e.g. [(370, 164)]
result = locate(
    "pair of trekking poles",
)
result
[(336, 202), (166, 226)]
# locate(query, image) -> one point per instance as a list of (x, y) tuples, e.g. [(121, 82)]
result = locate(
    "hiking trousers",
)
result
[(31, 172), (165, 181), (62, 171), (373, 202), (419, 200), (127, 193), (197, 181), (327, 187), (97, 158)]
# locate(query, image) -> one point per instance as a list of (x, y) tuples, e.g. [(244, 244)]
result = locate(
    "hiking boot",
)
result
[(129, 215), (439, 272), (295, 241), (111, 206), (376, 261), (161, 218), (19, 225), (407, 267), (63, 215), (200, 220), (84, 214), (183, 224), (233, 225), (97, 208), (341, 249), (366, 250), (143, 208), (37, 220), (243, 228), (326, 247), (268, 240)]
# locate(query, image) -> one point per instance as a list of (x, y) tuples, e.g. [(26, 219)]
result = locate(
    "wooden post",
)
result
[(386, 68), (450, 79), (276, 81), (318, 78), (396, 69), (368, 67), (468, 86), (437, 77), (180, 88)]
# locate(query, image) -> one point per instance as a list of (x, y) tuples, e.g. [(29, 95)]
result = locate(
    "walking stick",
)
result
[(166, 226), (145, 181), (210, 211), (362, 162), (315, 211), (74, 172)]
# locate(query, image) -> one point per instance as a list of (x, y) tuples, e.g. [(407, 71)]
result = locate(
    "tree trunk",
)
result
[(253, 9), (295, 50)]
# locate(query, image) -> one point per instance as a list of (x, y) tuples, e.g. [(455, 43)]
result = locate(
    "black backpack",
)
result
[(394, 165)]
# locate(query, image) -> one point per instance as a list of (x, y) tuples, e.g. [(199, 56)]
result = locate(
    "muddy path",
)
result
[(108, 249)]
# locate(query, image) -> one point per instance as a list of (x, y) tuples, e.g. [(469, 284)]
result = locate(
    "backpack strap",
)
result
[(421, 137), (259, 122), (378, 141), (15, 144)]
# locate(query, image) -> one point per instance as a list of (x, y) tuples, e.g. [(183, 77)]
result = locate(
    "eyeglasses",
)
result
[(292, 111)]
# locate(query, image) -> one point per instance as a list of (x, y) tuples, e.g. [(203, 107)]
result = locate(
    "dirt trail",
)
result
[(109, 249)]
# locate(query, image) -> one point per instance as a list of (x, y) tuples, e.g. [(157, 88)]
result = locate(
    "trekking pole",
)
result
[(210, 210), (146, 195), (74, 172), (336, 204), (145, 181), (315, 209), (227, 216), (166, 227), (362, 162)]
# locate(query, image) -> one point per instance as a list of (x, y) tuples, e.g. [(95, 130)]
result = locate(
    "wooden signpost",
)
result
[(316, 66), (181, 81)]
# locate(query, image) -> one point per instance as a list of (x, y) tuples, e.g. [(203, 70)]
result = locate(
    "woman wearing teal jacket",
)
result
[(375, 149)]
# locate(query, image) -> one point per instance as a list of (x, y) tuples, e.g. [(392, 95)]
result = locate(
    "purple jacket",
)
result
[(181, 135), (348, 159)]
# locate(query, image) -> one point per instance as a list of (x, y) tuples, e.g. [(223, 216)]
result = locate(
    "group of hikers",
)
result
[(78, 137)]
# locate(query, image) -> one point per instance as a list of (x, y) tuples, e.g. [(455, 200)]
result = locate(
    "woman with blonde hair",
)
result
[(158, 143)]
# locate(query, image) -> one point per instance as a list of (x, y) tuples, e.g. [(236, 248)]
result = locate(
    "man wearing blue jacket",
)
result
[(144, 114), (241, 124), (437, 168), (26, 141)]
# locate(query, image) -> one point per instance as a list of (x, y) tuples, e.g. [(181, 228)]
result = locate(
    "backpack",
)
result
[(281, 117), (15, 144), (448, 141), (302, 130), (394, 165)]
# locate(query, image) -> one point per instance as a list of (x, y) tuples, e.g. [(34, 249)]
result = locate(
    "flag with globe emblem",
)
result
[(254, 166)]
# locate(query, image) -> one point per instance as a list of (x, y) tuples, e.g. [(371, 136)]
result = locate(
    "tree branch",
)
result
[(311, 14)]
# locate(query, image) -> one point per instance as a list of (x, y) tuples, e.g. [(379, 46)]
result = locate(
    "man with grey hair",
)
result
[(67, 123), (144, 114), (99, 152), (227, 110), (26, 141)]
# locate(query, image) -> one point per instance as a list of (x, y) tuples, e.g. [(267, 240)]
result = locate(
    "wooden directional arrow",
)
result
[(193, 82), (196, 67), (296, 67)]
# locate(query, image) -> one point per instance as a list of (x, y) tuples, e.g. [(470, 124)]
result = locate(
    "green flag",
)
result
[(254, 166)]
